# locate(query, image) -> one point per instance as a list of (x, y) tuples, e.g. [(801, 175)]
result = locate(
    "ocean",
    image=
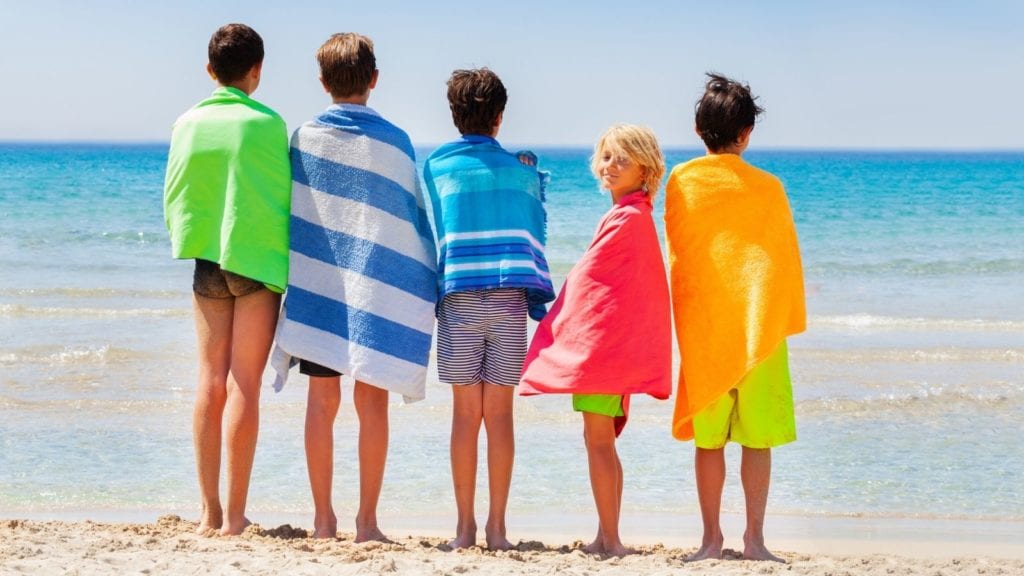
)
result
[(909, 381)]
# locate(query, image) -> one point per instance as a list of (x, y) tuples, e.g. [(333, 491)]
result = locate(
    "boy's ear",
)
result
[(373, 80), (209, 70), (744, 137), (324, 84)]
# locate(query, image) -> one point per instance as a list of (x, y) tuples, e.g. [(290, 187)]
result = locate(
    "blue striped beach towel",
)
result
[(490, 220), (362, 277)]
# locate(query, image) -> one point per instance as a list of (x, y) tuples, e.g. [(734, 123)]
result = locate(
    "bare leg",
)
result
[(213, 317), (756, 472), (501, 448), (255, 317), (372, 409), (597, 546), (599, 432), (709, 466), (321, 410), (467, 413)]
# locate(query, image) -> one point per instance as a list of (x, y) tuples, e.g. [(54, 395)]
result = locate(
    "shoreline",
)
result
[(170, 545), (918, 538)]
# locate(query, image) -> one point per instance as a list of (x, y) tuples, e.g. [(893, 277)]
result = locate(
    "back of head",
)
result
[(234, 49), (726, 109), (476, 98), (347, 64), (637, 144)]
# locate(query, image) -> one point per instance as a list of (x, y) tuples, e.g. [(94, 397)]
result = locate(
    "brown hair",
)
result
[(347, 64), (639, 145), (476, 98), (233, 50), (726, 109)]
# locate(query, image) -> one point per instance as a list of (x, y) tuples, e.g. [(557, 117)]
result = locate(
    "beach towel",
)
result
[(609, 331), (228, 185), (490, 220), (362, 286), (737, 283)]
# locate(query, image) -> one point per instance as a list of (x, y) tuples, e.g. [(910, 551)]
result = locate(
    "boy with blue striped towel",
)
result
[(489, 218), (362, 288)]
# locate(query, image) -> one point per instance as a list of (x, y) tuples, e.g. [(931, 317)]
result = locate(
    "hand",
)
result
[(527, 158)]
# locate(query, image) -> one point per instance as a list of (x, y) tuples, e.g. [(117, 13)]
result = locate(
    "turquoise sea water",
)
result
[(909, 381)]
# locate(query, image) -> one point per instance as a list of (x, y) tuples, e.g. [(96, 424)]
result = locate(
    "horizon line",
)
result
[(581, 147)]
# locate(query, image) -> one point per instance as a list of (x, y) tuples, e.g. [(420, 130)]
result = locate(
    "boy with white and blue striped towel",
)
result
[(489, 218), (362, 281)]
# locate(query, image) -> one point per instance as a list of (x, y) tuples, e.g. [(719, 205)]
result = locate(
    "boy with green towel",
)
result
[(227, 198)]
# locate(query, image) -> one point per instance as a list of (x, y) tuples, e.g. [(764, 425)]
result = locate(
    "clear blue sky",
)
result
[(857, 74)]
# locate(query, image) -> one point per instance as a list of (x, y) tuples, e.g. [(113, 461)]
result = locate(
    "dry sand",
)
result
[(170, 546)]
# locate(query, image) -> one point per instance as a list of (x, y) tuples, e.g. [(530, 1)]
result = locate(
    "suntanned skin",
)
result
[(755, 472), (371, 405), (234, 337)]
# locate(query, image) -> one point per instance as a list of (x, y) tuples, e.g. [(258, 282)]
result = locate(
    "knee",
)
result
[(370, 399), (325, 406), (497, 416)]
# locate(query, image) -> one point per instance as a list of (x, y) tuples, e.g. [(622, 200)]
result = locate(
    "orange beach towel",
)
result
[(736, 279)]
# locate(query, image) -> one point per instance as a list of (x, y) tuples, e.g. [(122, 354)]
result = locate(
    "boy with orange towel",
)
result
[(737, 293)]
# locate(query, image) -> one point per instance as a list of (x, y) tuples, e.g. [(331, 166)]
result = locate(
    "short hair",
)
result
[(476, 98), (637, 143), (234, 49), (724, 111), (347, 64)]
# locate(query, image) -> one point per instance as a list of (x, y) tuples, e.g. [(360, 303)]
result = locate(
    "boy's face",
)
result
[(619, 174)]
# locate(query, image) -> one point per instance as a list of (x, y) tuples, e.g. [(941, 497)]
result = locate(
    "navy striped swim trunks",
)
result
[(481, 336)]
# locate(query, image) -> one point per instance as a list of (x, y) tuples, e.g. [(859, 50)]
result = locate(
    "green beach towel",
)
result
[(227, 194)]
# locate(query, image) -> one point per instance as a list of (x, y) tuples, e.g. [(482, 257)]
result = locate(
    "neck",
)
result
[(360, 99), (241, 85), (736, 150)]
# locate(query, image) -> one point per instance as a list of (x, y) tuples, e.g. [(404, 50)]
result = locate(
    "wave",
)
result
[(71, 356), (922, 401), (21, 311), (912, 267), (862, 356), (868, 321), (92, 293)]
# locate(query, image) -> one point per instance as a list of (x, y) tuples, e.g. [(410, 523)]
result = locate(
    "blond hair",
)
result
[(347, 64), (637, 143)]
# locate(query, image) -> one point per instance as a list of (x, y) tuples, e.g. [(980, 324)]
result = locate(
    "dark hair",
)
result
[(347, 64), (726, 109), (234, 49), (476, 98)]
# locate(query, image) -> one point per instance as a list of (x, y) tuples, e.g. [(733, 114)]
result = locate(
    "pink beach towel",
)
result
[(609, 331)]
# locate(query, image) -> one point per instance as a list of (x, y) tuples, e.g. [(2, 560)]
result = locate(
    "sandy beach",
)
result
[(170, 545)]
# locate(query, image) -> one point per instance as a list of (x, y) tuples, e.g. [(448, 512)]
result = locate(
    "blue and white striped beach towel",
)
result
[(362, 278)]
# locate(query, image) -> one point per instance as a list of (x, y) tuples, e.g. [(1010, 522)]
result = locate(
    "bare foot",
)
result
[(757, 551), (618, 550), (210, 521), (499, 543), (370, 534), (326, 527), (234, 529), (595, 547), (465, 536), (496, 539), (708, 551)]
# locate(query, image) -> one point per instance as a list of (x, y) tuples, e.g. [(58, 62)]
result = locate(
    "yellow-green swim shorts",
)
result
[(604, 404), (758, 413)]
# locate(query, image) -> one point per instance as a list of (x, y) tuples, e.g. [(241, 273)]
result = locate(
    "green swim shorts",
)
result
[(604, 404), (758, 413)]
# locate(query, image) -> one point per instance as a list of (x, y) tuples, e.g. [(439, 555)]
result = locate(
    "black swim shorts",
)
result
[(209, 281), (313, 369)]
